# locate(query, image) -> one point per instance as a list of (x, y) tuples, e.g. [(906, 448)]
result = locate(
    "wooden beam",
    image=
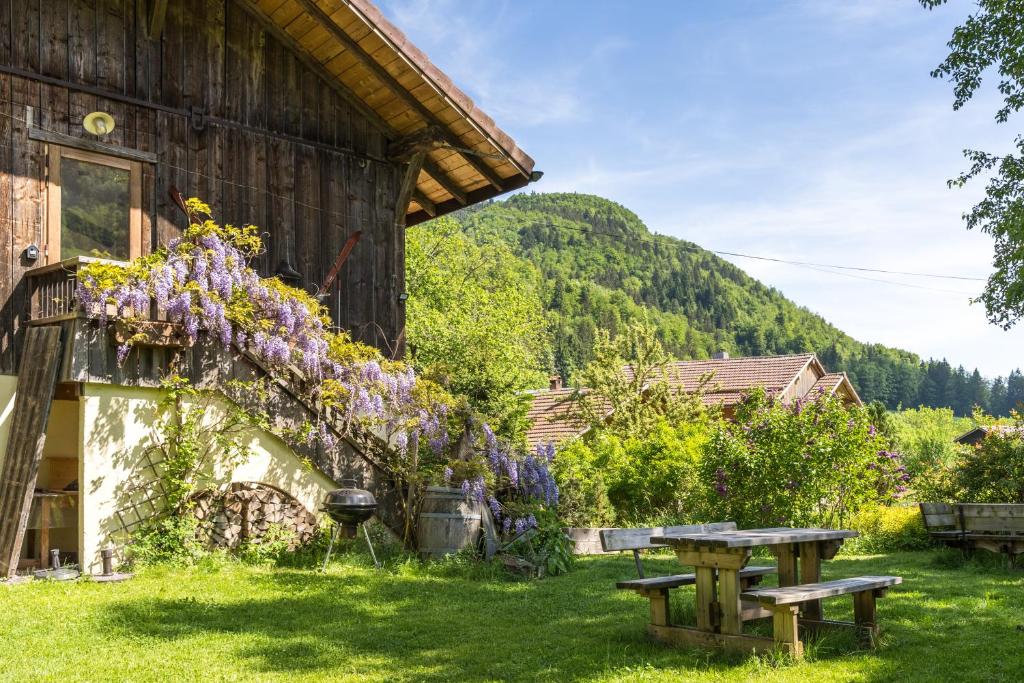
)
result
[(442, 179), (157, 19), (88, 145), (478, 195), (424, 203), (688, 637), (37, 380), (397, 88), (332, 81), (408, 186), (423, 140)]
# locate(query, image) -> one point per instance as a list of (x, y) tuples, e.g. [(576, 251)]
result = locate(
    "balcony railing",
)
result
[(52, 290), (52, 300)]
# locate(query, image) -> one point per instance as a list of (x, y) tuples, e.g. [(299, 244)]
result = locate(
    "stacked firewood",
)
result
[(245, 511)]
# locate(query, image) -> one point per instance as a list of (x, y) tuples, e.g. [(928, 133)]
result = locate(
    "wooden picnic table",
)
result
[(718, 558)]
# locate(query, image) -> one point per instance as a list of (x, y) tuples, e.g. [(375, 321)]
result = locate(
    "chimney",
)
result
[(720, 355), (555, 382)]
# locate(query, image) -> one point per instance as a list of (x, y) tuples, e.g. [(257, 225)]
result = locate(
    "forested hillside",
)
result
[(602, 267)]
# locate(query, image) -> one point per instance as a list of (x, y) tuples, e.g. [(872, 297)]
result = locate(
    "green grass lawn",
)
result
[(948, 621)]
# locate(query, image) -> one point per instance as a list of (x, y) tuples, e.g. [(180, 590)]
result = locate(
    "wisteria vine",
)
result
[(204, 282)]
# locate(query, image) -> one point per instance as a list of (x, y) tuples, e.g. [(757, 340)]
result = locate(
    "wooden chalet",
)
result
[(974, 436), (316, 120), (785, 377)]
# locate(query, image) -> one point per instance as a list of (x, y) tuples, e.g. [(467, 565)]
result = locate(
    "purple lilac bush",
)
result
[(811, 462)]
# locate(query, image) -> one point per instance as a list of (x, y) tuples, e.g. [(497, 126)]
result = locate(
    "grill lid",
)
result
[(350, 497)]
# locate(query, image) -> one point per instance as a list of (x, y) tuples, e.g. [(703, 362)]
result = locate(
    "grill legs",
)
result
[(334, 537)]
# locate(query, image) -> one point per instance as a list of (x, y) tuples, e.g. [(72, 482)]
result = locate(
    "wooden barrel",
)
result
[(447, 522)]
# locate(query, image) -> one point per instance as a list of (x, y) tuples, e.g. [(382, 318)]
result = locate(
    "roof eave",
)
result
[(474, 197)]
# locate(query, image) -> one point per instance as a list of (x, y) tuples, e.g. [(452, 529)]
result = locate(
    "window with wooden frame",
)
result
[(94, 206)]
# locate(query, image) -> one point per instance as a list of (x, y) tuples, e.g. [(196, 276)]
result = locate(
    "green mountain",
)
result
[(603, 268)]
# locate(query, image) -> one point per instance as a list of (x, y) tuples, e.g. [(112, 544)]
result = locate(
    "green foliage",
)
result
[(992, 471), (547, 545), (926, 436), (887, 529), (271, 548), (166, 539), (806, 464), (583, 486), (475, 320), (630, 388), (601, 269), (641, 452), (644, 477), (990, 40)]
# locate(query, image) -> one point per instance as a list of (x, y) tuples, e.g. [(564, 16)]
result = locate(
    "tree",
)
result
[(630, 386), (475, 321), (991, 38)]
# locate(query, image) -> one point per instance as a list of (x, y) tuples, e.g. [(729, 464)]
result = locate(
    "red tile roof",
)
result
[(727, 380), (835, 382), (549, 419)]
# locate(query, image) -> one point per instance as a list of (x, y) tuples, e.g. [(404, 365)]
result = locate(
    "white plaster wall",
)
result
[(116, 427), (8, 387)]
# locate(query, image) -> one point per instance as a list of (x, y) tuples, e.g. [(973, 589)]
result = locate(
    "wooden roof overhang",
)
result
[(466, 157)]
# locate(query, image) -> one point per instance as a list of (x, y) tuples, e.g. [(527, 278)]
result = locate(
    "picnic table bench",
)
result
[(657, 588), (996, 527), (727, 593)]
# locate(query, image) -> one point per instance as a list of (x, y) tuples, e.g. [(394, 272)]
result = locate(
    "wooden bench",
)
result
[(942, 522), (784, 603), (657, 588), (996, 527)]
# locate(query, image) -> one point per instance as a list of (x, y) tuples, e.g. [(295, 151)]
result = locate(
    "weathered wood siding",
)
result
[(276, 146)]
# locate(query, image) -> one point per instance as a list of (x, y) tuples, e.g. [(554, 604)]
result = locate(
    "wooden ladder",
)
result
[(37, 380)]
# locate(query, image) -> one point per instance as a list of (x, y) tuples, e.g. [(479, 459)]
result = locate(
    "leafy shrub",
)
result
[(640, 456), (888, 528), (656, 475), (583, 488), (168, 539), (940, 482), (926, 436), (992, 471), (271, 548), (810, 463), (624, 480), (547, 545)]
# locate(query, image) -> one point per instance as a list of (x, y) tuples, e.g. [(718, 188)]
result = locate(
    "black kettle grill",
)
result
[(349, 507)]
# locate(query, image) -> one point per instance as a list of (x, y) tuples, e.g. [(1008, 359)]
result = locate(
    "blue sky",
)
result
[(803, 130)]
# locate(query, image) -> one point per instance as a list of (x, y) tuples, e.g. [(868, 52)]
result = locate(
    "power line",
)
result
[(821, 267), (875, 279), (866, 270)]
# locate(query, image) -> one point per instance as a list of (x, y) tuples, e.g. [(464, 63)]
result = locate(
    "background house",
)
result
[(786, 377), (316, 120), (975, 436)]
